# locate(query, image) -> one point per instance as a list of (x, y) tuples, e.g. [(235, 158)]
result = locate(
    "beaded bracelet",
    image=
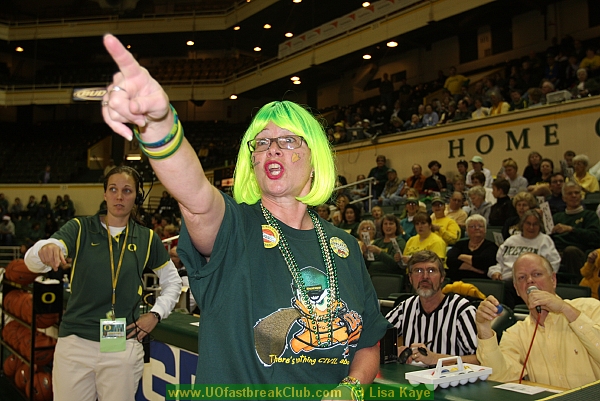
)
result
[(354, 385), (169, 150), (165, 140)]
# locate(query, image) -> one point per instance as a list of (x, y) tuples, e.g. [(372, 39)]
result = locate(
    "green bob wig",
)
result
[(294, 118)]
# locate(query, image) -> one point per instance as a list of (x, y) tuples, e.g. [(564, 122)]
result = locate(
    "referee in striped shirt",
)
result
[(442, 324)]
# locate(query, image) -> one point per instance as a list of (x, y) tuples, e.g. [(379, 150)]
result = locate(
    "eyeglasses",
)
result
[(475, 227), (284, 142), (366, 228), (417, 271)]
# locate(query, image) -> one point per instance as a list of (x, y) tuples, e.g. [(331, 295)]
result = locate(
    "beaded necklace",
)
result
[(327, 254)]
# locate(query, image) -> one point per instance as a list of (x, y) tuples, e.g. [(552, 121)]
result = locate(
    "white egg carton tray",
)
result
[(449, 375)]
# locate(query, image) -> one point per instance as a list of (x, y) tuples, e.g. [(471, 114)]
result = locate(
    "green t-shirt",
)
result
[(252, 325), (86, 241)]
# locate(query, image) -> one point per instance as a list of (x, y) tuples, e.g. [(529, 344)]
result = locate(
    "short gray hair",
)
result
[(477, 218), (477, 190), (569, 184), (583, 159)]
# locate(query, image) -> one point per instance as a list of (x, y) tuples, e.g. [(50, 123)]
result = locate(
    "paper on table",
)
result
[(523, 388)]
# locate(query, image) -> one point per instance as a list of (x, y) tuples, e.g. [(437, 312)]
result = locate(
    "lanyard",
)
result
[(115, 276)]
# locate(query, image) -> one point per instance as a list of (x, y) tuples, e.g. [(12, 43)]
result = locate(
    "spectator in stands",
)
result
[(3, 205), (416, 181), (44, 209), (377, 215), (555, 199), (379, 172), (32, 208), (480, 111), (166, 204), (454, 209), (591, 62), (517, 182), (56, 207), (45, 176), (351, 220), (391, 193), (571, 71), (341, 202), (588, 182), (396, 125), (425, 239), (324, 212), (542, 186), (407, 223), (570, 333), (472, 257), (478, 179), (458, 185), (385, 258), (532, 172), (449, 115), (414, 123), (360, 190), (7, 231), (477, 163), (16, 209), (591, 273), (517, 100), (444, 226), (454, 82), (462, 166), (339, 134), (436, 182), (531, 240), (547, 88), (568, 156), (523, 201), (478, 203), (552, 70), (503, 209), (499, 106), (430, 118), (67, 209), (535, 96), (462, 112), (584, 86), (445, 321), (576, 230), (386, 90)]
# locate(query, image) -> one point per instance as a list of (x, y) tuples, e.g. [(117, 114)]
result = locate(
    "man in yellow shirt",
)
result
[(443, 225), (454, 82), (565, 351)]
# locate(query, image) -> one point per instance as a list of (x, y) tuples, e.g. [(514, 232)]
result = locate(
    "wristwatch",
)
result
[(157, 315)]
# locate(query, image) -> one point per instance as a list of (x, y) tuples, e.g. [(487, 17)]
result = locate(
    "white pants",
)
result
[(81, 372)]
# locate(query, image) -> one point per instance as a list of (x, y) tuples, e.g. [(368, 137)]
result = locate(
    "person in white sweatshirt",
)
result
[(531, 240)]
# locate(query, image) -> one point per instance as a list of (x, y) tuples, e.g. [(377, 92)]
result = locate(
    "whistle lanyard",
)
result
[(115, 275)]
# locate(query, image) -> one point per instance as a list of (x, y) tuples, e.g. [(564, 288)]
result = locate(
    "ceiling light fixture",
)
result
[(297, 82), (295, 78), (366, 4), (233, 96), (392, 43), (134, 157), (236, 28), (297, 1), (257, 49), (129, 46), (19, 49), (367, 56), (267, 26), (289, 34), (190, 43)]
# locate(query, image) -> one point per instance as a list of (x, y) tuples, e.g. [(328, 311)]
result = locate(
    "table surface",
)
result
[(480, 390)]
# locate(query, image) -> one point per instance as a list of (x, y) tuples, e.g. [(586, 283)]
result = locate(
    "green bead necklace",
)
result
[(327, 254)]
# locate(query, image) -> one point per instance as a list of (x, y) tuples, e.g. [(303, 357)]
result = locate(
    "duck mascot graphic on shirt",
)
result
[(328, 330)]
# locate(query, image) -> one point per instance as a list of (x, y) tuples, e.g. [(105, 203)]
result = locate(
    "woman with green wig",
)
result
[(284, 296)]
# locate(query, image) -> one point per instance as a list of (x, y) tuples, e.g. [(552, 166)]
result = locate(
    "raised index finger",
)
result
[(125, 60)]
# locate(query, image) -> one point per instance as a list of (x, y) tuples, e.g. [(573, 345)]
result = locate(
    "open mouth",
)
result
[(274, 170)]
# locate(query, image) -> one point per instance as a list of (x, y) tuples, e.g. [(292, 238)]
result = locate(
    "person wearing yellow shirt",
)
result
[(424, 240), (588, 182), (443, 225)]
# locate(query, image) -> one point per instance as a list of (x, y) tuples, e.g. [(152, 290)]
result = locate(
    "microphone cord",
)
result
[(537, 323)]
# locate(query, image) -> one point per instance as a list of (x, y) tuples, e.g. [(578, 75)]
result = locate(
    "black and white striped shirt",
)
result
[(451, 326)]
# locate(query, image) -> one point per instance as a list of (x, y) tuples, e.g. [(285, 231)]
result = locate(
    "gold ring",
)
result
[(117, 89), (104, 103)]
